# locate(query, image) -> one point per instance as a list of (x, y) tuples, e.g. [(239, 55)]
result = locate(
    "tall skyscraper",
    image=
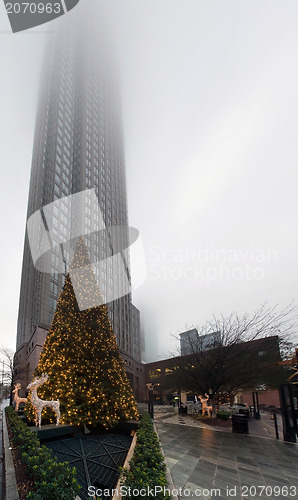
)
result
[(78, 145)]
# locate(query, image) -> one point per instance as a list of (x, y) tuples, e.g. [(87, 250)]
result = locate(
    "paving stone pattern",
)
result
[(210, 460)]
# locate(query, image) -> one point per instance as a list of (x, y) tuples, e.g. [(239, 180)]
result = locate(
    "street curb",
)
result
[(170, 481), (164, 415), (10, 476)]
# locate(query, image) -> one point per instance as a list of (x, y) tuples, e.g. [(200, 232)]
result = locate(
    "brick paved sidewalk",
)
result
[(200, 458)]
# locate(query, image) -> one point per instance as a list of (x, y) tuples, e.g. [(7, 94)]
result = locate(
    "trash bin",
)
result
[(240, 424), (244, 411)]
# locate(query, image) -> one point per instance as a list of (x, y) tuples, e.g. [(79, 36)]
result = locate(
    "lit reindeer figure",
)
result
[(17, 399), (39, 404), (205, 408)]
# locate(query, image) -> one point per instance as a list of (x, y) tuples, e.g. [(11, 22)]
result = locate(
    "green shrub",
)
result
[(52, 479), (147, 466), (223, 415)]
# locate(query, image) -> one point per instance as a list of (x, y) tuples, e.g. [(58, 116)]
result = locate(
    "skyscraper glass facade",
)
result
[(78, 145)]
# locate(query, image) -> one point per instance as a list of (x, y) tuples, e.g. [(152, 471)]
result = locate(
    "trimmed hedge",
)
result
[(52, 479), (223, 415), (147, 466)]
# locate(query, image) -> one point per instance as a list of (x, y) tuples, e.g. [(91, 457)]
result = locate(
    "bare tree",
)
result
[(6, 360), (9, 370), (236, 352)]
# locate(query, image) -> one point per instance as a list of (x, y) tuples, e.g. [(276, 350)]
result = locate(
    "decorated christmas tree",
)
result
[(81, 357)]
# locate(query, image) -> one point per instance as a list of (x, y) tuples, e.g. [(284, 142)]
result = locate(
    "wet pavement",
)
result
[(2, 476), (215, 463)]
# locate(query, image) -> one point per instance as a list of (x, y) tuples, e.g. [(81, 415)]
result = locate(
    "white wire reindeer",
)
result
[(39, 404), (16, 397)]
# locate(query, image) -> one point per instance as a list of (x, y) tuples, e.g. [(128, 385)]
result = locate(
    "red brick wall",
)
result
[(268, 397)]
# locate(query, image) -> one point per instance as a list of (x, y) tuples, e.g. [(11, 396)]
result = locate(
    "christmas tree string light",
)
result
[(82, 360)]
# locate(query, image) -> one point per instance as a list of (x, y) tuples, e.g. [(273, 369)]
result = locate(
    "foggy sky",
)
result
[(210, 116)]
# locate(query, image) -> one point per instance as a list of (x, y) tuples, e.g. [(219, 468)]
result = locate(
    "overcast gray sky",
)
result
[(210, 126)]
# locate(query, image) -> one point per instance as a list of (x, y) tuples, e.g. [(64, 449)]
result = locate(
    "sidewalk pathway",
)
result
[(202, 458), (2, 471), (263, 427), (2, 482), (215, 464)]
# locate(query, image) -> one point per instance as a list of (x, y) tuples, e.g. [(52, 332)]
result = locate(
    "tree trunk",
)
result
[(213, 402)]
